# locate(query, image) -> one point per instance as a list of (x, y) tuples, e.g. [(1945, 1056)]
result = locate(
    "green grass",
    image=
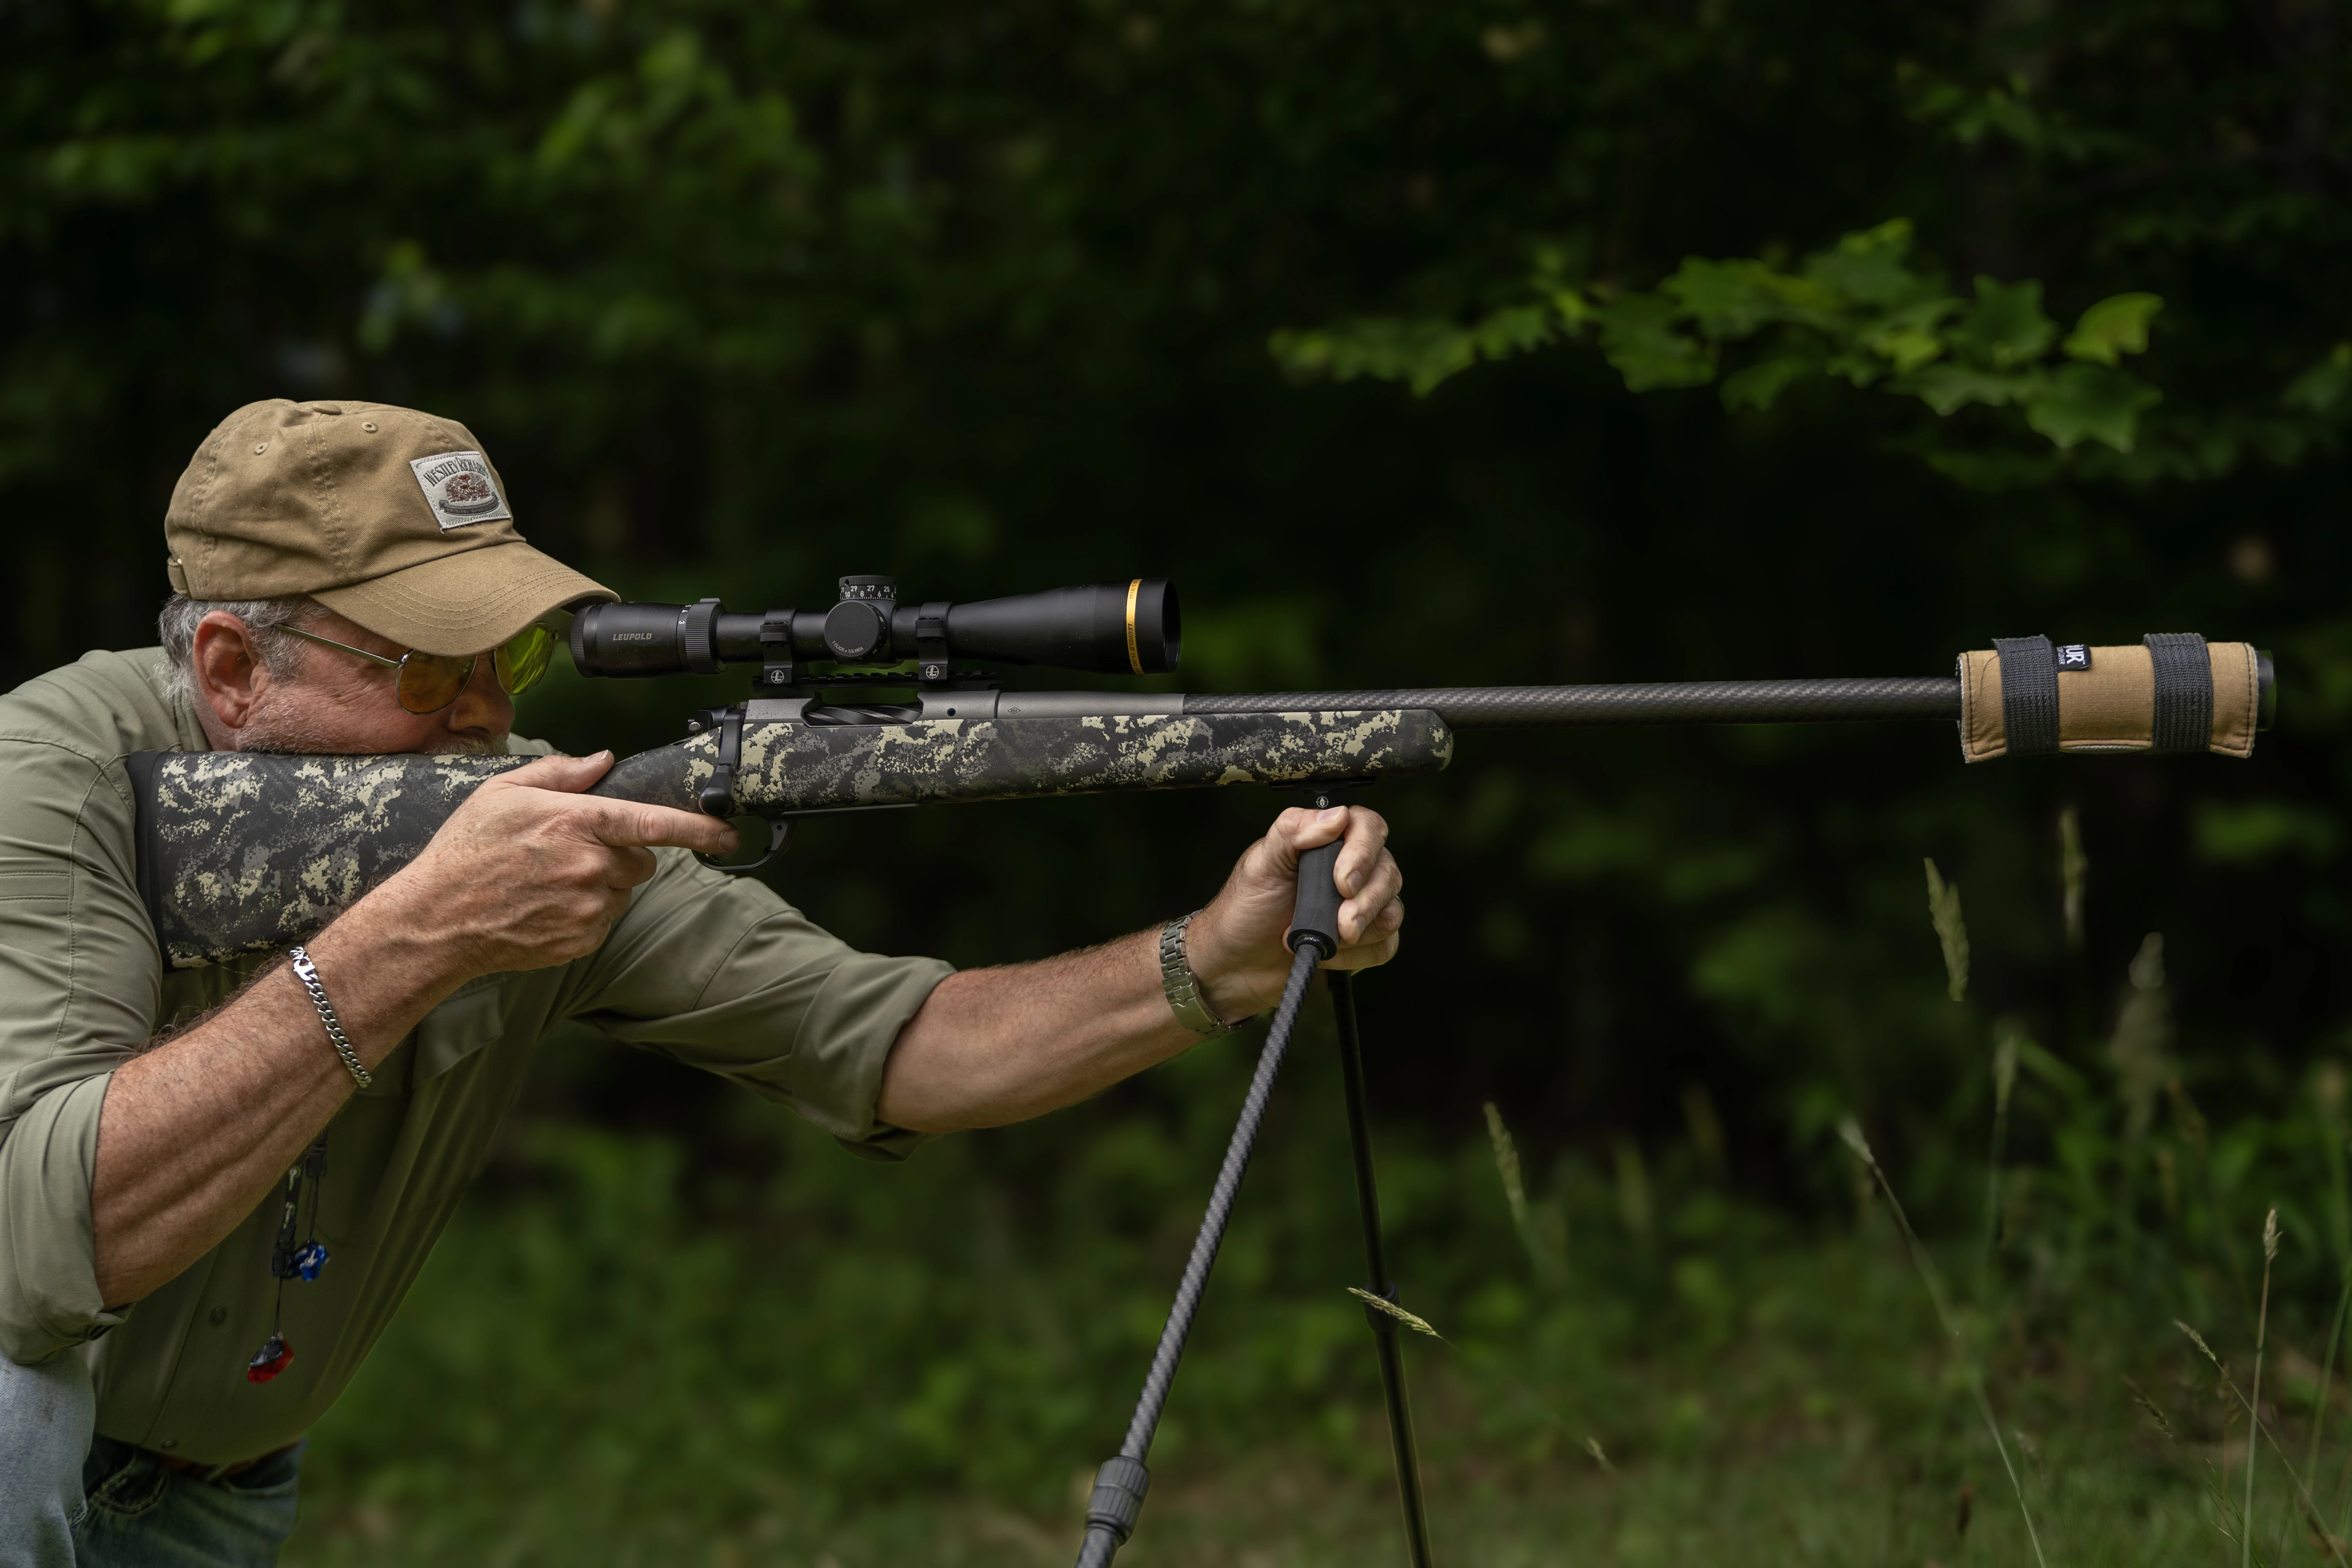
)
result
[(890, 1366), (769, 1353)]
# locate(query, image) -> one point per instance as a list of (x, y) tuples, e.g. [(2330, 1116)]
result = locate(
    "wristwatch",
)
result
[(1182, 987)]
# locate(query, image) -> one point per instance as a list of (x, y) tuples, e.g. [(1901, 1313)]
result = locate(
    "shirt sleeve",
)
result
[(81, 987), (720, 973)]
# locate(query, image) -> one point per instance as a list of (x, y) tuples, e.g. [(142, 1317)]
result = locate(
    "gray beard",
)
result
[(293, 734)]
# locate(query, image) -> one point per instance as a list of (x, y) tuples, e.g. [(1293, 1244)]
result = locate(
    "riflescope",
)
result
[(1116, 628)]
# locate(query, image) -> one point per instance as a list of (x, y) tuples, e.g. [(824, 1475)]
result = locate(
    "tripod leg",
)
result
[(1384, 1328), (1119, 1485)]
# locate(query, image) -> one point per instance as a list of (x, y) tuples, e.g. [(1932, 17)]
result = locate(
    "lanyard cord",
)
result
[(287, 1262)]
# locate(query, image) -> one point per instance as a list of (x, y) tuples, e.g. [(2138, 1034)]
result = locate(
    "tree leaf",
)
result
[(2005, 326), (1947, 388), (1759, 385), (1386, 348), (1908, 336), (1638, 336), (1870, 268), (2088, 402), (2112, 327), (1733, 299), (2325, 387)]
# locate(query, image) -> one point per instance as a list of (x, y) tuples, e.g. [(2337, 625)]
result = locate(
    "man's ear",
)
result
[(229, 675)]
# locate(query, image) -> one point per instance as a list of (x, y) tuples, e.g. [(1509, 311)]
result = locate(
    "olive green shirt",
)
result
[(716, 971)]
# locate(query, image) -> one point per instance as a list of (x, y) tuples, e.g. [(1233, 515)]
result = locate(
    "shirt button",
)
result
[(168, 1444), (220, 1316)]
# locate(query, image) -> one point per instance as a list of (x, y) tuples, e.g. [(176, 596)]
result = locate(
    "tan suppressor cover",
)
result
[(2111, 707)]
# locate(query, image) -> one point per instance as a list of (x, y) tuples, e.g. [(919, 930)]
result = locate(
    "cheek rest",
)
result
[(2173, 692)]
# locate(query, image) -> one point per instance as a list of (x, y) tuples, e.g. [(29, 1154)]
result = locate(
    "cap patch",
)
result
[(460, 488)]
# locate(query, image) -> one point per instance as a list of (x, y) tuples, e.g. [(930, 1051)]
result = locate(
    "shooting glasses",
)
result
[(428, 682)]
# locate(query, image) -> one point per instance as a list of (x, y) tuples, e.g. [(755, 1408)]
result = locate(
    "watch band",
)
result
[(307, 974), (1181, 987)]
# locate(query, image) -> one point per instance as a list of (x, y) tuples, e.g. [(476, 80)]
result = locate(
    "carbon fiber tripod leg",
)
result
[(1121, 1482), (1384, 1328)]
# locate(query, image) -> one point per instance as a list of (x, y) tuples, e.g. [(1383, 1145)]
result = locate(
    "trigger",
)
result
[(779, 832)]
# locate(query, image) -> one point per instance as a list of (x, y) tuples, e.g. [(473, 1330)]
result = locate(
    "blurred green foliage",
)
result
[(1858, 310), (743, 297), (774, 1354)]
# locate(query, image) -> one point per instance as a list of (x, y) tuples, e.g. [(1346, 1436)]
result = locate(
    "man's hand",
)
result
[(529, 872), (1235, 946), (993, 1045)]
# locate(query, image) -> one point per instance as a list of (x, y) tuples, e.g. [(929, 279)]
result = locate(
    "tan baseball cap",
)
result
[(389, 516)]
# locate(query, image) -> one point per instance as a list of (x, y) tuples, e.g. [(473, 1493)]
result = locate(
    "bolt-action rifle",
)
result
[(246, 852)]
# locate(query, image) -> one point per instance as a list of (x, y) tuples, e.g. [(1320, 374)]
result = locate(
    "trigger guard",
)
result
[(779, 832)]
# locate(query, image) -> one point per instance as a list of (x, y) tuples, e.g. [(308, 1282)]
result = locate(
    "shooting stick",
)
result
[(1119, 1485), (1376, 1269)]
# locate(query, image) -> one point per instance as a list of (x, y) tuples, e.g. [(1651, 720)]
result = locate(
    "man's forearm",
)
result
[(195, 1132), (993, 1045), (996, 1045)]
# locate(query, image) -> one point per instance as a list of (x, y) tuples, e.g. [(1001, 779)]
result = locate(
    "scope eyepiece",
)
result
[(1133, 628)]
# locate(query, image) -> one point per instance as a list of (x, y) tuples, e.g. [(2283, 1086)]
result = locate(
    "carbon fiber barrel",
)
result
[(1668, 702)]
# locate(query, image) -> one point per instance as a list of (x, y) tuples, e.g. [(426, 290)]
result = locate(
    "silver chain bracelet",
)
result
[(307, 974), (1182, 987)]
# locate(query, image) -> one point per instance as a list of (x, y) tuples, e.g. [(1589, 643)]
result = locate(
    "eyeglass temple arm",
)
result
[(330, 642)]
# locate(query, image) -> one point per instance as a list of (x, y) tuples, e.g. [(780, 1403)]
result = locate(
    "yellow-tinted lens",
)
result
[(524, 659), (431, 682)]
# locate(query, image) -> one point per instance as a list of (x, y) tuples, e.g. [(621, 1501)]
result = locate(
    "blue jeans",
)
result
[(137, 1514)]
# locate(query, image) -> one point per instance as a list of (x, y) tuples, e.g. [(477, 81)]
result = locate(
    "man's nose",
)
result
[(483, 707)]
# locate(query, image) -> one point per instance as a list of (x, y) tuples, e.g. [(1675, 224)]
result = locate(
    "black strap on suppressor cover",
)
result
[(2184, 690), (2029, 695)]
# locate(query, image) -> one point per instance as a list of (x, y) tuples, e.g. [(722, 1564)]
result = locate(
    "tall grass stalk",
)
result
[(2004, 1080), (2328, 1092), (2302, 1485), (2074, 869), (1850, 1131), (1508, 1167), (2197, 1135), (1951, 931), (1542, 1228), (2327, 1374), (2254, 1405)]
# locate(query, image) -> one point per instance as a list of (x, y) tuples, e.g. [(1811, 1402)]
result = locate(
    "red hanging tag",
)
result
[(271, 1359)]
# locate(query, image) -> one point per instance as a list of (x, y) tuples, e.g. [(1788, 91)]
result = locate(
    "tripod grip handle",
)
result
[(1316, 916)]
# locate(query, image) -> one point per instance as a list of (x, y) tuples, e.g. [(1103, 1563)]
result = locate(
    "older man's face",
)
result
[(339, 702)]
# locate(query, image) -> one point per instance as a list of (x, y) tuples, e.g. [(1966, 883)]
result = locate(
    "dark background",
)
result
[(742, 297)]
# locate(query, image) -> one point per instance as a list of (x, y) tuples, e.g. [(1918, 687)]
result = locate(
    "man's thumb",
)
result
[(568, 774)]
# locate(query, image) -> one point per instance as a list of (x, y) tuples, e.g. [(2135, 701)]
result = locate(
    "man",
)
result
[(348, 578)]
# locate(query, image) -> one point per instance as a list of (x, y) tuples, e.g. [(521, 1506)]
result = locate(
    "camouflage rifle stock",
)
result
[(250, 852)]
